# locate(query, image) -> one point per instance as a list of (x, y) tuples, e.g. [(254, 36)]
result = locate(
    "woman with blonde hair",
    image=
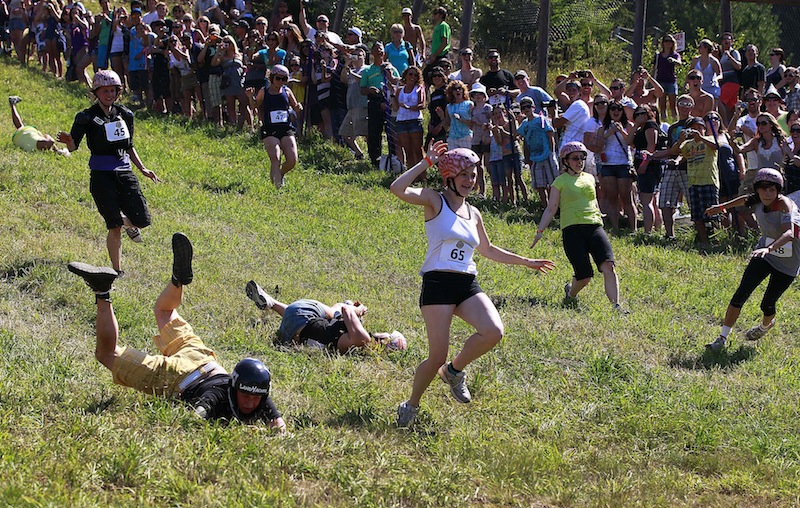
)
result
[(709, 67), (233, 90)]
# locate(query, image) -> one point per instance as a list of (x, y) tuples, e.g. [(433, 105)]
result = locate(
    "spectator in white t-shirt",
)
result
[(574, 117)]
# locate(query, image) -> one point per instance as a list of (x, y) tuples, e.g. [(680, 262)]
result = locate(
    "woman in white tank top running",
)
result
[(449, 286)]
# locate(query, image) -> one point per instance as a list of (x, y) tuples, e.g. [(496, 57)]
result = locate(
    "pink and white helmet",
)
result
[(768, 175), (455, 161), (572, 146), (106, 77)]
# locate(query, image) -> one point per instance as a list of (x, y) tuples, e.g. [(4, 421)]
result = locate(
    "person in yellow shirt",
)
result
[(27, 137)]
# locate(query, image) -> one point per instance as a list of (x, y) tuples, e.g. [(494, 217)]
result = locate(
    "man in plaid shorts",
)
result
[(675, 180)]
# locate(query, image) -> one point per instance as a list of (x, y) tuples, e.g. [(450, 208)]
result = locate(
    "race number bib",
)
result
[(784, 251), (117, 131), (456, 251), (279, 116)]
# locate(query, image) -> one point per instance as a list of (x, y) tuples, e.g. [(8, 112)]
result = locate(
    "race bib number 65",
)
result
[(456, 251), (117, 131)]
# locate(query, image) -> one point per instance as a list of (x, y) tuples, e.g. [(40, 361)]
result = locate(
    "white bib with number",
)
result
[(280, 116), (456, 251), (784, 251), (117, 131)]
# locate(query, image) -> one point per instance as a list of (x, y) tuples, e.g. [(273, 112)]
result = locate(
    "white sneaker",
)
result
[(260, 297)]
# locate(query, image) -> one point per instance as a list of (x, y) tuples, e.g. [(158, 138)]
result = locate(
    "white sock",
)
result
[(725, 331)]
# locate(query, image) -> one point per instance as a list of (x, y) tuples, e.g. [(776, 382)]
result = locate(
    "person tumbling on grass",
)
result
[(449, 284), (581, 225), (777, 253), (337, 327), (108, 128), (186, 368), (27, 137)]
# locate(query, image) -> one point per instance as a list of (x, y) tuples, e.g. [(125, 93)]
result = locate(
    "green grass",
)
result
[(576, 407)]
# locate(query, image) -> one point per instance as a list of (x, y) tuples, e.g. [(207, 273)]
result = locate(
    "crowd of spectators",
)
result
[(652, 138)]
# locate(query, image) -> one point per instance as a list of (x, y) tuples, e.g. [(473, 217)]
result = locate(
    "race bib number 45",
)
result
[(456, 251), (117, 131)]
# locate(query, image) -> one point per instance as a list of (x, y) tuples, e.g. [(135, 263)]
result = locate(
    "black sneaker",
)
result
[(182, 259), (99, 278)]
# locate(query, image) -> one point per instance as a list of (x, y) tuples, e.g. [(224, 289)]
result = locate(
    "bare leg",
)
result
[(437, 323), (114, 246), (610, 281), (15, 117), (577, 285), (480, 312), (168, 301), (271, 145), (732, 314), (646, 198), (289, 149), (666, 214), (107, 333)]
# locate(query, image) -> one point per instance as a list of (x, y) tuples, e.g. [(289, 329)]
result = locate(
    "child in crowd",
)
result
[(499, 172), (137, 64), (481, 134), (540, 141)]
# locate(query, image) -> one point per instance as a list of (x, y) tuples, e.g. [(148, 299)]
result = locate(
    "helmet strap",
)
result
[(451, 184)]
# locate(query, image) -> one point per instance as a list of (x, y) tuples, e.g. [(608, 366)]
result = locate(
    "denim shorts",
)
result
[(297, 315), (409, 126), (616, 170), (669, 88), (497, 171)]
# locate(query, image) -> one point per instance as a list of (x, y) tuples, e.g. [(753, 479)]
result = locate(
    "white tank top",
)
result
[(771, 157), (452, 239), (410, 99)]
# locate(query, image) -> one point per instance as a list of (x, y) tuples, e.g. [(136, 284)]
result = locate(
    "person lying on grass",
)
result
[(27, 137), (186, 368), (337, 327)]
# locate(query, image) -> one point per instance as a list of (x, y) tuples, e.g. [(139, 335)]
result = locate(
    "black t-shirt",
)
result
[(438, 100), (750, 76), (212, 394), (500, 78), (105, 134)]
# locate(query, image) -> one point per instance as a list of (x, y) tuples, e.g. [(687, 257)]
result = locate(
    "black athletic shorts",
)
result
[(119, 191), (447, 288), (581, 240), (280, 131)]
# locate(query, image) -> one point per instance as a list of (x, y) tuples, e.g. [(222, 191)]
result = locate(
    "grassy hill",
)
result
[(576, 407)]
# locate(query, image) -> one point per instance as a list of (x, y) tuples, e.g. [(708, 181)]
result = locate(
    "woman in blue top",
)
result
[(399, 51), (777, 253), (449, 285)]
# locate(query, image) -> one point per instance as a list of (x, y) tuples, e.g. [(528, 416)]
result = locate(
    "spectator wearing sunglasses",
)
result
[(617, 90), (791, 81)]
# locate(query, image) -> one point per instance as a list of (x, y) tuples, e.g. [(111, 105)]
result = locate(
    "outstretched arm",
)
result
[(495, 253)]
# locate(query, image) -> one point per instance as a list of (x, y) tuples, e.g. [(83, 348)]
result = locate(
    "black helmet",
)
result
[(249, 376)]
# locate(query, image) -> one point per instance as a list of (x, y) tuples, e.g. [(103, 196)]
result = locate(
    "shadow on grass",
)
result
[(364, 417), (24, 268), (502, 301), (99, 406), (724, 359)]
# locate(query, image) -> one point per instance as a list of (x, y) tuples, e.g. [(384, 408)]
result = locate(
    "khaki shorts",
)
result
[(182, 353)]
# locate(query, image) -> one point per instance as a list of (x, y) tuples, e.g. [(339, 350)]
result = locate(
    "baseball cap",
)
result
[(520, 74), (406, 11), (355, 30)]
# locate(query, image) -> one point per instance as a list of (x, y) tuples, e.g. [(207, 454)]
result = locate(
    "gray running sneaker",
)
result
[(99, 278), (134, 234), (14, 99), (406, 413), (457, 382), (262, 300), (717, 344), (567, 289), (757, 332), (182, 254)]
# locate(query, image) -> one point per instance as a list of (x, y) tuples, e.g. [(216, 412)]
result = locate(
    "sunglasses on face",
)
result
[(685, 104), (617, 87), (600, 103), (261, 23), (795, 130), (692, 78), (762, 123), (711, 118), (280, 77), (615, 108), (587, 84)]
